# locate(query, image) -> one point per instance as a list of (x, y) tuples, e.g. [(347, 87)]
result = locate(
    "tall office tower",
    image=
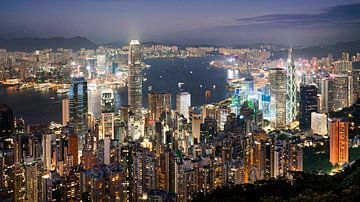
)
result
[(327, 94), (342, 67), (107, 114), (78, 107), (308, 104), (278, 96), (6, 122), (339, 140), (47, 140), (65, 111), (134, 79), (319, 123), (342, 89), (291, 100), (158, 103), (183, 102)]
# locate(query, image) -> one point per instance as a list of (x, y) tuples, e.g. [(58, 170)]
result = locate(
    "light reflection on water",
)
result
[(36, 106)]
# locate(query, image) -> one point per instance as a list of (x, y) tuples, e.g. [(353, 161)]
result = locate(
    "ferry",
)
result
[(62, 91), (180, 84), (235, 83)]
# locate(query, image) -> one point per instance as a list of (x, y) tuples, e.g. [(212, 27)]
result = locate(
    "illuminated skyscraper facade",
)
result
[(308, 104), (278, 97), (6, 121), (134, 79), (342, 91), (339, 141), (159, 103), (78, 108), (183, 102), (65, 111), (291, 100), (107, 113)]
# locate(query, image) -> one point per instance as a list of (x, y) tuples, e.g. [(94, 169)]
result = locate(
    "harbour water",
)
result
[(163, 76)]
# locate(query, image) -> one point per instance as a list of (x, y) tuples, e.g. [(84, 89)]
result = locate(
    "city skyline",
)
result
[(183, 118), (225, 22)]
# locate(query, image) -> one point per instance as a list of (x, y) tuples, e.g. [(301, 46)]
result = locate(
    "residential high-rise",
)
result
[(65, 111), (342, 67), (356, 82), (134, 79), (47, 140), (278, 96), (291, 92), (78, 108), (342, 91), (308, 104), (183, 102), (339, 140), (158, 103)]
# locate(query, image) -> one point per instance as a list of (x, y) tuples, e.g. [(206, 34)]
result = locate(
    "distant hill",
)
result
[(351, 47), (31, 44)]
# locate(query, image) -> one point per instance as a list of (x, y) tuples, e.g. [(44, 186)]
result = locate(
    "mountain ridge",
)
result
[(35, 43)]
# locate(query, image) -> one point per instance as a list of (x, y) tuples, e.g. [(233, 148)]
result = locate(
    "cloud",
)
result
[(342, 14), (331, 25)]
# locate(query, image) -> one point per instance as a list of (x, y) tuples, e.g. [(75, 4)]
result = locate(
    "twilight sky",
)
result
[(297, 22)]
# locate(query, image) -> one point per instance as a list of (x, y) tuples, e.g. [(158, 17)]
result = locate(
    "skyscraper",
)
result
[(339, 140), (308, 104), (183, 102), (159, 103), (47, 140), (134, 79), (78, 107), (342, 91), (65, 111), (291, 100), (107, 113), (327, 94), (6, 121), (278, 96)]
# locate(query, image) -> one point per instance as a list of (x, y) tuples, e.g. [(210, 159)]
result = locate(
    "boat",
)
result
[(52, 98), (180, 84), (149, 88), (62, 91), (144, 79)]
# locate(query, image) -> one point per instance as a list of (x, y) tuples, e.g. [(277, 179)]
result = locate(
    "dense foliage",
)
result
[(344, 186)]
